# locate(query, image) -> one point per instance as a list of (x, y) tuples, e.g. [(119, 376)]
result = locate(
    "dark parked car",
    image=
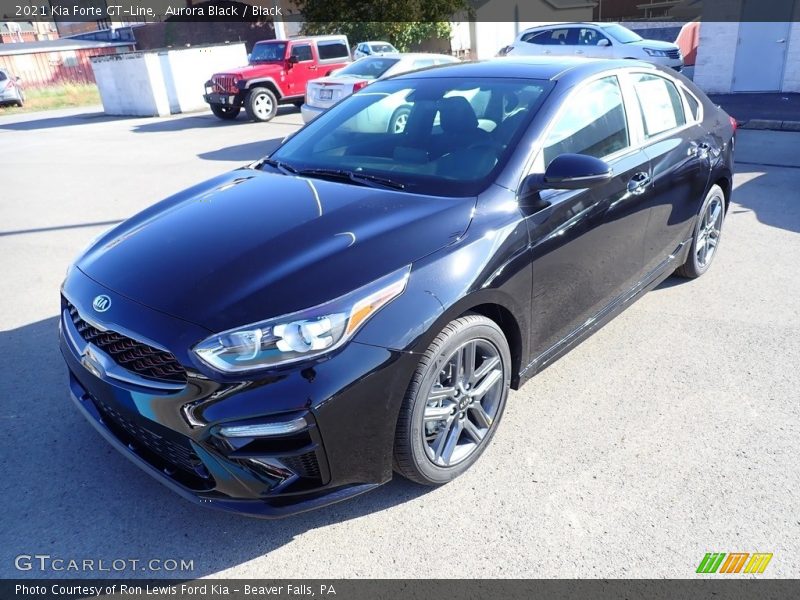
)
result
[(286, 335)]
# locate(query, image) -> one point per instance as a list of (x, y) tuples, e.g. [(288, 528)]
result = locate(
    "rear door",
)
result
[(680, 150), (587, 244)]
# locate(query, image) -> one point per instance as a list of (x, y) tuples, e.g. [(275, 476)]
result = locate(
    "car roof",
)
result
[(527, 67), (560, 25)]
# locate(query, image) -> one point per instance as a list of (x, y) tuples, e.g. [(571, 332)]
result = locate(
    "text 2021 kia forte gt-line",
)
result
[(286, 335)]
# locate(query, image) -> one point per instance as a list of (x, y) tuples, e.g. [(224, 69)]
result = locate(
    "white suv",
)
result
[(594, 40)]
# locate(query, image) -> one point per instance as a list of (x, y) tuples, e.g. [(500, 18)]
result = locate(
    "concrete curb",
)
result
[(770, 124)]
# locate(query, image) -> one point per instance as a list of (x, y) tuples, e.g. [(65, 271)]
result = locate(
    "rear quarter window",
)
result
[(332, 50)]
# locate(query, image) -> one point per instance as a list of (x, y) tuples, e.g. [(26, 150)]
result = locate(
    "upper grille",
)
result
[(674, 53), (225, 83), (131, 354)]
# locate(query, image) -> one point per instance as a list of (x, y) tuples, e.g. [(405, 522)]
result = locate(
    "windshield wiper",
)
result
[(359, 178), (277, 164)]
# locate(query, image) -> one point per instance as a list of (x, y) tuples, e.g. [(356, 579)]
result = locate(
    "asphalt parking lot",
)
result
[(673, 432)]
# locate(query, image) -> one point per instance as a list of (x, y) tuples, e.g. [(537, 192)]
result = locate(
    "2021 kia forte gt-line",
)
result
[(289, 334)]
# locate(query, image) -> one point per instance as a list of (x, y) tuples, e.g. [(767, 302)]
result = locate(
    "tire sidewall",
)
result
[(714, 192), (433, 473)]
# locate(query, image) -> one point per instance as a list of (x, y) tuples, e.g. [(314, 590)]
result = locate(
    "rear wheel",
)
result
[(454, 402), (261, 104), (226, 113), (21, 100), (707, 234)]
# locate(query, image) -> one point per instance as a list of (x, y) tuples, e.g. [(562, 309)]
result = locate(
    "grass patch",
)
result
[(58, 96)]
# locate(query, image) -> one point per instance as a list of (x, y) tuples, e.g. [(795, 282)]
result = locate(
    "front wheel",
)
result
[(707, 234), (261, 104), (454, 402), (226, 113), (397, 124)]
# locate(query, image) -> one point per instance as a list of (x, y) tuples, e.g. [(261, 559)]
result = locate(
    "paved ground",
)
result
[(672, 432)]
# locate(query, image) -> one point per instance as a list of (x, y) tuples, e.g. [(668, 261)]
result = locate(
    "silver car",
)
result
[(11, 91), (324, 92)]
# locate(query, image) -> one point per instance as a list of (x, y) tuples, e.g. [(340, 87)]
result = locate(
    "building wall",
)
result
[(716, 57)]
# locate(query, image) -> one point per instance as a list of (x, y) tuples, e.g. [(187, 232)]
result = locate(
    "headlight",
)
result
[(302, 335), (654, 52)]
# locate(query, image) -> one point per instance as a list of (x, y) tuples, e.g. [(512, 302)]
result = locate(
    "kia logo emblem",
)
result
[(101, 303)]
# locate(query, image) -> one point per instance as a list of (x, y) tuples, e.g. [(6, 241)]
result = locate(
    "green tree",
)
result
[(403, 23)]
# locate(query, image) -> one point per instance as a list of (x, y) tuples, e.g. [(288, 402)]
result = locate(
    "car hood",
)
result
[(250, 71), (250, 245)]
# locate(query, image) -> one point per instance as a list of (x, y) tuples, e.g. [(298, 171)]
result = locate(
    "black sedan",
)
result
[(360, 302)]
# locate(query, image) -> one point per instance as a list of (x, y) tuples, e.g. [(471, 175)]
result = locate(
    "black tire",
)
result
[(694, 267), (411, 459), (261, 104), (399, 115), (226, 113), (21, 101), (298, 103)]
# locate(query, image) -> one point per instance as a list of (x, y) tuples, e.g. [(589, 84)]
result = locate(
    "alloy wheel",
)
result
[(262, 106), (463, 403), (709, 231)]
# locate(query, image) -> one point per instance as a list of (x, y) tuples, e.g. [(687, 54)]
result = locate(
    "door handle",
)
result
[(547, 52), (781, 41), (638, 183), (579, 52)]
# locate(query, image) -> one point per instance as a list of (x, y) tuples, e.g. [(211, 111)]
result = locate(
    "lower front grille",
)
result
[(139, 438), (305, 465), (674, 53)]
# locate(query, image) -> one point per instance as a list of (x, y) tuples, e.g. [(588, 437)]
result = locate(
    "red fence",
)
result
[(42, 69)]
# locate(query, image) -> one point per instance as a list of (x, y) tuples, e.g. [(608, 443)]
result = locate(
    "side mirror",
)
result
[(575, 172), (17, 79), (604, 42), (292, 60)]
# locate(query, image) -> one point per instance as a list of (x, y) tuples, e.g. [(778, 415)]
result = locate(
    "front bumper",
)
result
[(222, 99), (348, 402)]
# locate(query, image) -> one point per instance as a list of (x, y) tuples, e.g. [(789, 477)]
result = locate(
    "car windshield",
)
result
[(369, 68), (622, 34), (380, 47), (441, 136), (268, 52)]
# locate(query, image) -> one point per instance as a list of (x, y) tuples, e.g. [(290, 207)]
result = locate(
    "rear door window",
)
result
[(659, 102)]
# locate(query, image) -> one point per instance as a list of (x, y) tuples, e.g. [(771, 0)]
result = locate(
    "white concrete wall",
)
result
[(791, 73), (158, 83), (716, 57), (131, 84), (185, 71), (713, 71)]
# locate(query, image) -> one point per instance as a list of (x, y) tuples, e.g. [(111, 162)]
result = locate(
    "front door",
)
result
[(587, 244), (761, 48), (303, 70)]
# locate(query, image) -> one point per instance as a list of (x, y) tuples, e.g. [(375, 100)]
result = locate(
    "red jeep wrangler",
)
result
[(277, 74)]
